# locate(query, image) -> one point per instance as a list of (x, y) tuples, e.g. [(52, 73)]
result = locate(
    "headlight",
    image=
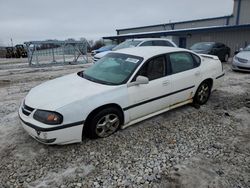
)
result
[(47, 117), (241, 59)]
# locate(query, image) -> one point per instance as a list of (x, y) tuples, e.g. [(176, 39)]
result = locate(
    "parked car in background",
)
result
[(102, 49), (16, 52), (138, 42), (20, 51), (212, 48), (241, 60), (123, 88), (10, 52)]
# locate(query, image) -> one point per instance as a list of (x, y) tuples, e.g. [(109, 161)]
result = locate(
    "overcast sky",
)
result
[(26, 20)]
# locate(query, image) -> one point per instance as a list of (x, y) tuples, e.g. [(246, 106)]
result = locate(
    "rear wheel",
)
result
[(203, 93), (104, 123)]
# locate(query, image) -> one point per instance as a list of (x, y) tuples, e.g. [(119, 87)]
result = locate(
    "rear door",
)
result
[(184, 76)]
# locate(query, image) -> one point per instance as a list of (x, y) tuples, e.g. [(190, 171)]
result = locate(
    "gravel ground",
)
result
[(185, 147)]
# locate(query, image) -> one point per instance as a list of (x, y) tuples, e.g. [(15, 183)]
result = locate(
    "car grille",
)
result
[(246, 68), (27, 110)]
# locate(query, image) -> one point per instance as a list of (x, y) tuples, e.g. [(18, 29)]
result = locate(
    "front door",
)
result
[(148, 98)]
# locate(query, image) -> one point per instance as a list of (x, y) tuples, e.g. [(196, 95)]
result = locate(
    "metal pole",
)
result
[(63, 53), (11, 42), (74, 54), (53, 55), (29, 53), (36, 55)]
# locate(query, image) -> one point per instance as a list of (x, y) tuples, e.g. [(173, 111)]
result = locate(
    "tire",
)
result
[(103, 123), (226, 57), (203, 93)]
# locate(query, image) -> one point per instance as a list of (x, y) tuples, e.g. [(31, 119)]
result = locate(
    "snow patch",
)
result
[(53, 179)]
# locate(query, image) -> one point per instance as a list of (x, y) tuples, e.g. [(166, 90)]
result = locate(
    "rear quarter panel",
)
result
[(211, 67)]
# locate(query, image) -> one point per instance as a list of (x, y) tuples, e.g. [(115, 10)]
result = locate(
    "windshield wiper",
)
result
[(81, 74)]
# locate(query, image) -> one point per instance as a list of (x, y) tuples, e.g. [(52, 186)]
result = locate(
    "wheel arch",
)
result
[(95, 111), (209, 80)]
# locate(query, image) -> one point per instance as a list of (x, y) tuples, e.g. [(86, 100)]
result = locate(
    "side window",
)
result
[(154, 68), (181, 61), (147, 43), (161, 43)]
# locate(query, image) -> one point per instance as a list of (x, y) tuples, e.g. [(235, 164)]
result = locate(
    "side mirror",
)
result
[(139, 80)]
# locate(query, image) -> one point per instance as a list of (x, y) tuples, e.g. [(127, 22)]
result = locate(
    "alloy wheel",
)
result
[(203, 93), (107, 125)]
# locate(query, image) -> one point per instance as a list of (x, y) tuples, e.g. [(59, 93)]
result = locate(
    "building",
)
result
[(232, 30)]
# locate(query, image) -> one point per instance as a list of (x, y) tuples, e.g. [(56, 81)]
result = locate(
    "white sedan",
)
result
[(121, 89), (136, 43)]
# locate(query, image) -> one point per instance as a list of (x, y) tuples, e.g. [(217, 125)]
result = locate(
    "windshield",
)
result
[(202, 46), (107, 47), (103, 48), (112, 69), (247, 48), (127, 44)]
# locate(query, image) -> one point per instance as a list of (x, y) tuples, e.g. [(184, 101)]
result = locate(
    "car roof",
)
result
[(149, 51)]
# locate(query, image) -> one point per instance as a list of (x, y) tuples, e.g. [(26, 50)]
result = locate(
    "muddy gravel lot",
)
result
[(185, 147)]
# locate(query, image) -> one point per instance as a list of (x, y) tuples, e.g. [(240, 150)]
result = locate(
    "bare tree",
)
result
[(91, 43), (97, 44)]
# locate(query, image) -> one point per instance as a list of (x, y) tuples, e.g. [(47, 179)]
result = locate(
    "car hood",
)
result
[(101, 54), (244, 55), (59, 92)]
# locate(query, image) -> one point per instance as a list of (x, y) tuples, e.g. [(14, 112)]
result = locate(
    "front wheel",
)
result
[(103, 124), (203, 93)]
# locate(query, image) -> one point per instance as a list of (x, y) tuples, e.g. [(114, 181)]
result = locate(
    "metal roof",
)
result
[(179, 31), (181, 22), (59, 42)]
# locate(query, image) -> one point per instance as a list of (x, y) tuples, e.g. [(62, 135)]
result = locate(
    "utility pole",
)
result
[(11, 42)]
